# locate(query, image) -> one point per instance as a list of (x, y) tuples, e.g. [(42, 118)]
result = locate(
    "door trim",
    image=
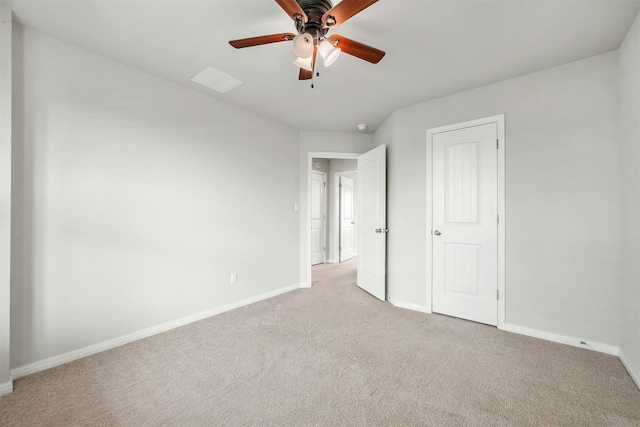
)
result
[(323, 208), (500, 121), (305, 247)]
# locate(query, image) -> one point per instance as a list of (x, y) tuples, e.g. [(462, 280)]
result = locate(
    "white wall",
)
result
[(562, 202), (629, 69), (135, 199), (321, 142), (6, 24), (320, 165)]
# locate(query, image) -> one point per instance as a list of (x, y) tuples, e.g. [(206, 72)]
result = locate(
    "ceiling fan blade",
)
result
[(292, 8), (257, 41), (344, 10), (306, 74), (357, 49)]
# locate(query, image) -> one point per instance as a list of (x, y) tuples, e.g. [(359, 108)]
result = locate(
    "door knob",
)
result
[(382, 230), (378, 230), (437, 233)]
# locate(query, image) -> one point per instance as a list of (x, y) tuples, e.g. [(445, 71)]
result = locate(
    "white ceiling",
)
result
[(434, 48)]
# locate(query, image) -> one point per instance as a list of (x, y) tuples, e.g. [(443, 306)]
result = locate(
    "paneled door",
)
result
[(318, 217), (465, 227), (372, 221), (347, 220)]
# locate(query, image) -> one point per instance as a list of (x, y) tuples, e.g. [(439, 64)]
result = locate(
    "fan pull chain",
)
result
[(317, 75)]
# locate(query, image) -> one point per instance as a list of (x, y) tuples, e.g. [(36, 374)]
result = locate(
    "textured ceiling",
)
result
[(434, 48)]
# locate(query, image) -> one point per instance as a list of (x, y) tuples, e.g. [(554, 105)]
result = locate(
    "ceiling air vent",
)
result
[(216, 80)]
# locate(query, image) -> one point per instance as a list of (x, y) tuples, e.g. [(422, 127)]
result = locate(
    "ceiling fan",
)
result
[(313, 20)]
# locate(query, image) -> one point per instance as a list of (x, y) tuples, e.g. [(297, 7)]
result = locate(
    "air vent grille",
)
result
[(216, 80)]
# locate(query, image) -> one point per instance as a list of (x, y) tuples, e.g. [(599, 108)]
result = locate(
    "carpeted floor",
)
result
[(330, 355)]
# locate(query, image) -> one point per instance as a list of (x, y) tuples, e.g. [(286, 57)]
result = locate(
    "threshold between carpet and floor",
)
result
[(330, 355)]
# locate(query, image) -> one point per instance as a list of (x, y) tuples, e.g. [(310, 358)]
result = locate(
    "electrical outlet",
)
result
[(234, 278)]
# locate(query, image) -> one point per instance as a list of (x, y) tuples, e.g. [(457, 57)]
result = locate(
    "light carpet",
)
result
[(330, 355)]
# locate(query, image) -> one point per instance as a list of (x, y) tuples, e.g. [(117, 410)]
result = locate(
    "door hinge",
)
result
[(497, 144), (324, 184), (498, 219), (340, 185), (498, 294)]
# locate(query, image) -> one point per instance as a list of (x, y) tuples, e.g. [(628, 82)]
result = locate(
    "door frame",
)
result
[(337, 203), (305, 254), (6, 52), (323, 208), (500, 121)]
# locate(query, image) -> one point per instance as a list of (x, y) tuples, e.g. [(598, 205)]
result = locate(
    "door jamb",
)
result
[(305, 261), (500, 121)]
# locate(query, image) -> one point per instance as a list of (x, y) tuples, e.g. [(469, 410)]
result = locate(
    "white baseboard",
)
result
[(6, 388), (61, 359), (305, 285), (410, 306), (633, 372), (563, 339), (331, 261)]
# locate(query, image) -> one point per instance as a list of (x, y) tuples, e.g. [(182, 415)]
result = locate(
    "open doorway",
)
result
[(370, 209), (332, 209), (323, 162)]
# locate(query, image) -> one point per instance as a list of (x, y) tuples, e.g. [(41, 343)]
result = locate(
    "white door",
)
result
[(347, 219), (465, 230), (372, 221), (318, 184)]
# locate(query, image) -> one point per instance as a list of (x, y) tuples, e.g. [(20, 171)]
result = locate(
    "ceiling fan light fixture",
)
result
[(305, 63), (329, 52), (313, 19), (303, 45)]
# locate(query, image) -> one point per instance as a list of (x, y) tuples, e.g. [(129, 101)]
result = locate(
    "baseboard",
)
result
[(633, 372), (61, 359), (305, 285), (6, 388), (331, 261), (410, 306), (563, 339)]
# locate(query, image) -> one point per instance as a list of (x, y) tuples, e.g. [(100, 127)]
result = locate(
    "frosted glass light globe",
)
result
[(329, 52), (305, 63), (303, 45)]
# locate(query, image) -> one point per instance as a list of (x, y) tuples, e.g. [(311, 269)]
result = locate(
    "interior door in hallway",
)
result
[(372, 221), (465, 229), (318, 217), (347, 220)]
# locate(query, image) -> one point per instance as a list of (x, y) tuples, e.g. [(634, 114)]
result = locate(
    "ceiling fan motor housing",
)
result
[(314, 9)]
